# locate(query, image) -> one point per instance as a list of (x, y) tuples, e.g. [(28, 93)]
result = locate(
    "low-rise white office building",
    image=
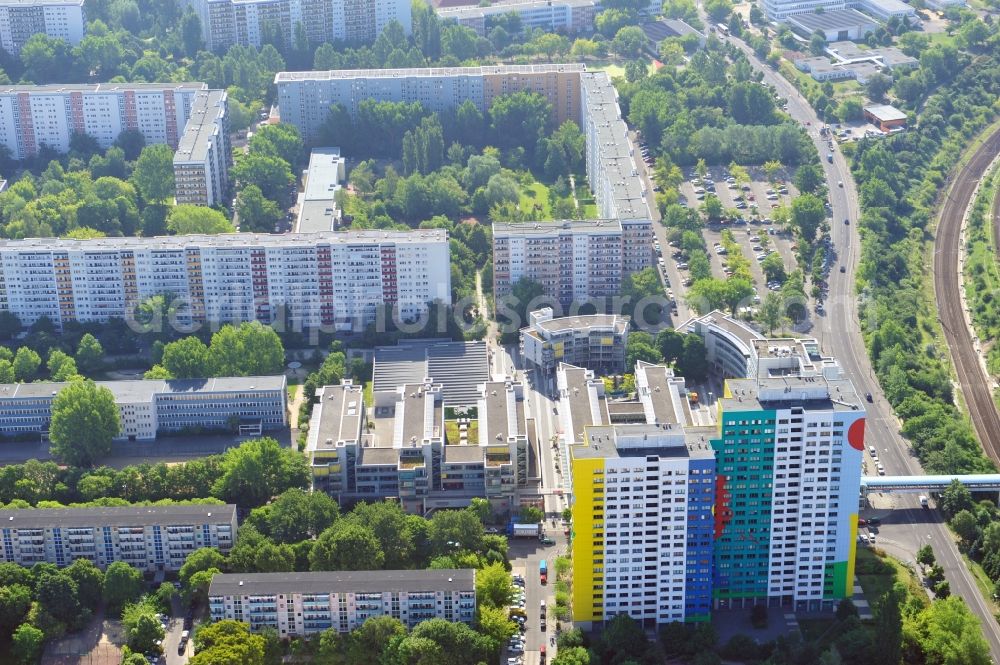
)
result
[(58, 19), (246, 405), (303, 604), (146, 537)]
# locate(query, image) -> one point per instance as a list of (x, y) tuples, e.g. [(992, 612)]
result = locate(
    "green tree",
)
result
[(26, 644), (201, 559), (250, 349), (955, 498), (187, 358), (712, 207), (965, 525), (877, 86), (693, 363), (255, 212), (461, 527), (572, 656), (58, 595), (718, 10), (271, 175), (142, 627), (494, 587), (372, 639), (154, 173), (228, 642), (520, 120), (192, 219), (629, 41), (496, 625), (89, 353), (281, 140), (89, 581), (122, 585), (296, 515), (26, 364), (643, 296), (15, 601), (807, 214), (84, 421), (774, 268), (641, 346), (197, 588), (61, 367), (925, 556), (258, 470), (347, 546), (771, 313)]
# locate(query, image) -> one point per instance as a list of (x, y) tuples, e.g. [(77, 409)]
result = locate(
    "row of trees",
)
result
[(249, 349), (45, 602), (686, 353), (900, 179), (248, 475)]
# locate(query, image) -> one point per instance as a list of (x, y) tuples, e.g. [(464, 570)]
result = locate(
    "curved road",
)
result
[(839, 333), (976, 386)]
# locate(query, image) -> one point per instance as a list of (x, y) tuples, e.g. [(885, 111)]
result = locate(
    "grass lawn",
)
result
[(451, 432), (982, 580), (535, 199), (877, 574), (612, 67), (369, 396)]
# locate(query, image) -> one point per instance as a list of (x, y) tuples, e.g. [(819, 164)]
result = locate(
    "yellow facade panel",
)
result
[(588, 537)]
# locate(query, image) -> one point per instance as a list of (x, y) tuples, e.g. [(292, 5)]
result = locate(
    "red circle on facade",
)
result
[(856, 434)]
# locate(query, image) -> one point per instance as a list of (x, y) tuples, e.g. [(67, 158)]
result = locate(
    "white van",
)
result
[(924, 503)]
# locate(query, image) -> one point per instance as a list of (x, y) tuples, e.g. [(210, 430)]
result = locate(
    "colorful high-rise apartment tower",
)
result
[(788, 471), (643, 494)]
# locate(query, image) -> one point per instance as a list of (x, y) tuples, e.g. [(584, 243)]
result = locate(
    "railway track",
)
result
[(975, 385)]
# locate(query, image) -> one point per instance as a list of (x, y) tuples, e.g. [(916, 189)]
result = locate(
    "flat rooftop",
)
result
[(657, 31), (460, 368), (318, 211), (641, 440), (204, 126), (837, 19), (41, 3), (341, 412), (504, 417), (367, 236), (55, 88), (569, 226), (145, 390), (809, 392), (663, 388), (717, 319), (504, 6), (362, 581), (885, 112), (619, 323), (585, 410), (42, 518), (425, 72)]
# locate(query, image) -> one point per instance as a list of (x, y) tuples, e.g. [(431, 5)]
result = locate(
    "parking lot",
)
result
[(748, 216), (526, 554)]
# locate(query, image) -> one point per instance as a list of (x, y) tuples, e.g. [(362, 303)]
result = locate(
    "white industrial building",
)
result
[(58, 19), (336, 280), (226, 23), (149, 538), (303, 604)]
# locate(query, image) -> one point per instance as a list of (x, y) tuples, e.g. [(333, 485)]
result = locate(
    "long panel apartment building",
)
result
[(759, 507), (337, 280), (253, 23), (303, 604), (565, 16), (58, 19), (182, 115), (247, 405), (573, 261), (147, 537)]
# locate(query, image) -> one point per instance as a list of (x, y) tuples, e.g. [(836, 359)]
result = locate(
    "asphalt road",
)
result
[(977, 387), (839, 333)]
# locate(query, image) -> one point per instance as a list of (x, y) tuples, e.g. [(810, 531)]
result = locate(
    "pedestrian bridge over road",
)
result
[(914, 484)]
